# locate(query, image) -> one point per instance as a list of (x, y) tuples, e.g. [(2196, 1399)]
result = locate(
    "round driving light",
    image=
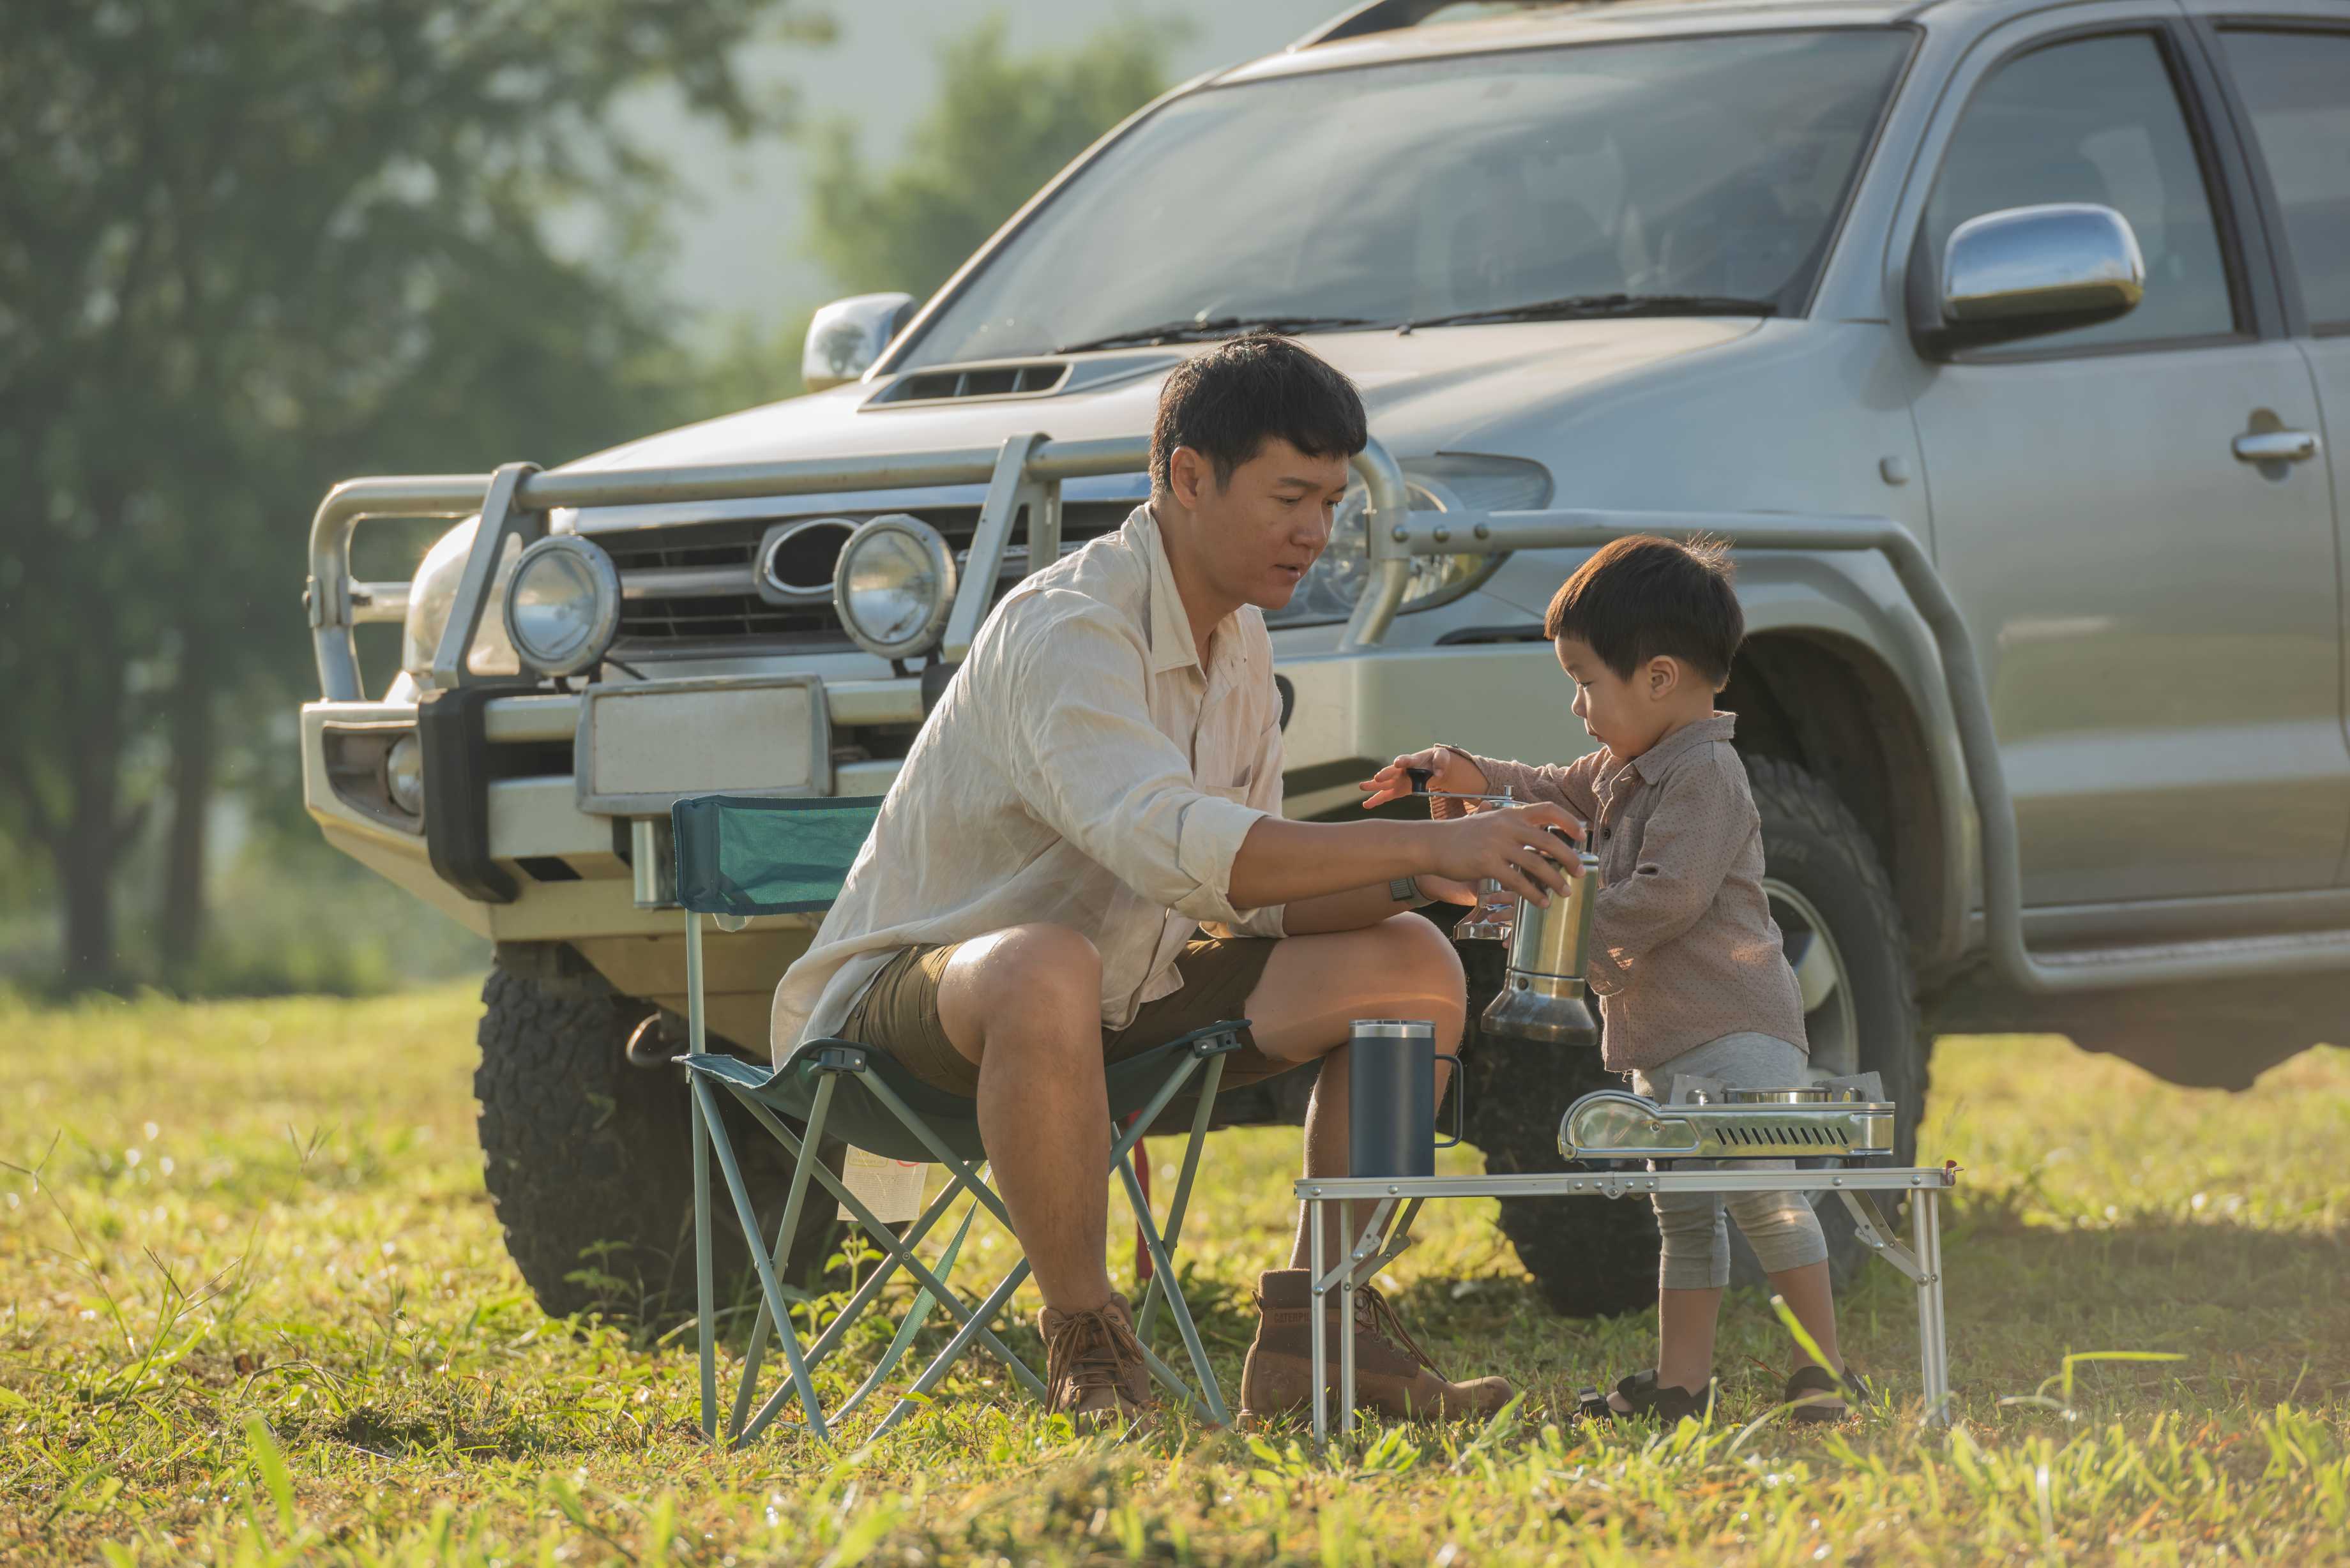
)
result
[(564, 605), (404, 774), (893, 586)]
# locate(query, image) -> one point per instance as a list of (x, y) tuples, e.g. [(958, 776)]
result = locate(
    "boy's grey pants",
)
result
[(1780, 1226)]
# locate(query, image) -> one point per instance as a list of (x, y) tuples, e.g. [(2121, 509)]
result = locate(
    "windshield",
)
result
[(1706, 168)]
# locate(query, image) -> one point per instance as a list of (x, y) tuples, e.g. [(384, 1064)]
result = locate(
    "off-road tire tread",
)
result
[(578, 1148)]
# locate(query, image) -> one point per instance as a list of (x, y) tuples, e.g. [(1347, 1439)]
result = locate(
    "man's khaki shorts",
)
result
[(898, 1013)]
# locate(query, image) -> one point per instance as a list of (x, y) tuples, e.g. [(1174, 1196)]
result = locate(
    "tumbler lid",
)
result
[(1393, 1028)]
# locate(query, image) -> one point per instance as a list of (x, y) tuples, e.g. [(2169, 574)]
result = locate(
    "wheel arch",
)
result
[(1833, 705)]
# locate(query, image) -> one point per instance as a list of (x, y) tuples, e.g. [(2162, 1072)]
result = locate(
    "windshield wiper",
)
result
[(1575, 306), (1193, 328)]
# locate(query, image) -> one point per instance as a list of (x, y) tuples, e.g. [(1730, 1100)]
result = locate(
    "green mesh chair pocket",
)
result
[(751, 855)]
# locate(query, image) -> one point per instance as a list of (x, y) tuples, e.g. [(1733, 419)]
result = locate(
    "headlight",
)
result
[(563, 605), (1335, 585), (893, 586), (432, 597), (404, 774)]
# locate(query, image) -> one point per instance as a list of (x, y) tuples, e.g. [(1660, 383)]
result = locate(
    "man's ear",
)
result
[(1187, 474)]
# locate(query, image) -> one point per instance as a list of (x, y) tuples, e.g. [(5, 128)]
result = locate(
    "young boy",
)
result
[(1685, 957)]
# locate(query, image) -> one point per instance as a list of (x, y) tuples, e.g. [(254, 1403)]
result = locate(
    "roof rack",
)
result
[(1393, 16)]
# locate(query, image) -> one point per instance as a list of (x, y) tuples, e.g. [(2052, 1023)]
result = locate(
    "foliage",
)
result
[(251, 246), (1002, 127), (255, 1309)]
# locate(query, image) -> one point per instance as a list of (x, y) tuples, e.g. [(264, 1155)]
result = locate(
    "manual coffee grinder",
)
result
[(1543, 994)]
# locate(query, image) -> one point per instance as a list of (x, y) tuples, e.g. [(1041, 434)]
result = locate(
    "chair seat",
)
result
[(860, 1118)]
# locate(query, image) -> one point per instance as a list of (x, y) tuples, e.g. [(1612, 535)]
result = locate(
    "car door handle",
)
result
[(2275, 446)]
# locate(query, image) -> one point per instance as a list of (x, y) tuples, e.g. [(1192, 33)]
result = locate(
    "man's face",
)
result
[(1263, 529)]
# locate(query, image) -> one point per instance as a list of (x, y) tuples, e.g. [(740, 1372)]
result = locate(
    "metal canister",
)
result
[(1391, 1097), (1542, 995)]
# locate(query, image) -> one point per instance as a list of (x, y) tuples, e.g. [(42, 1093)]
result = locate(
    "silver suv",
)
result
[(2001, 335)]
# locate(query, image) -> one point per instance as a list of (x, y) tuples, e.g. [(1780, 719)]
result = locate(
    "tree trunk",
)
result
[(94, 838), (194, 751)]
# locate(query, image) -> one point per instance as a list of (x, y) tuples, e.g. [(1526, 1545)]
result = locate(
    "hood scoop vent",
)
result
[(1035, 379), (997, 380)]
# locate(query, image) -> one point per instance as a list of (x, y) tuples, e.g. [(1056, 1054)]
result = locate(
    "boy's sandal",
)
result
[(1641, 1391), (1820, 1395)]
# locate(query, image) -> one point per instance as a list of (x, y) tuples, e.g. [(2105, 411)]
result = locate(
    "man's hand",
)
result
[(1447, 769), (1512, 846)]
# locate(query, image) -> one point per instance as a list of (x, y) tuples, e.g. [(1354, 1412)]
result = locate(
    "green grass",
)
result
[(255, 1310)]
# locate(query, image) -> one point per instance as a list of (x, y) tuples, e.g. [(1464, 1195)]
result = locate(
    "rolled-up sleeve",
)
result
[(1263, 797), (1106, 778)]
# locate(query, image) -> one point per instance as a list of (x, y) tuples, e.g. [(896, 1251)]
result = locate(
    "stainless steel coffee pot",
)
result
[(1543, 994)]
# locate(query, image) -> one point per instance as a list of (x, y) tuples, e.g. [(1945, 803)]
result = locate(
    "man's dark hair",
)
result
[(1643, 596), (1225, 402)]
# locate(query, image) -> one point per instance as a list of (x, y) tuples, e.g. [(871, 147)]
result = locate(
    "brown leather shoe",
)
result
[(1392, 1375), (1094, 1369)]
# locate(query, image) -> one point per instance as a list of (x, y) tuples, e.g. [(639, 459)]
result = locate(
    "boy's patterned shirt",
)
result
[(1683, 948)]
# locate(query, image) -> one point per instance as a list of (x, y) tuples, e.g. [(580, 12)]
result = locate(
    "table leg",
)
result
[(1936, 1337), (1346, 1319), (1315, 1277)]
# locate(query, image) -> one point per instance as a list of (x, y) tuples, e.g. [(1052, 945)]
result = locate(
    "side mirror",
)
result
[(2023, 272), (847, 335)]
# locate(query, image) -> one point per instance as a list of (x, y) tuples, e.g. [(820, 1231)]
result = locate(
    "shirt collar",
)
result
[(1651, 764), (1171, 647)]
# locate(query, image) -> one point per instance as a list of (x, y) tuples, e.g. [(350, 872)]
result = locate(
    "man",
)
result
[(1084, 857)]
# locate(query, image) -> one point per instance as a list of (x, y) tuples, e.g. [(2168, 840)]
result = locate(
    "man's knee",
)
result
[(1421, 958), (1018, 984)]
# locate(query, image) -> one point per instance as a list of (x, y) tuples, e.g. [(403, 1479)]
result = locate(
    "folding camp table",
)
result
[(1395, 1203)]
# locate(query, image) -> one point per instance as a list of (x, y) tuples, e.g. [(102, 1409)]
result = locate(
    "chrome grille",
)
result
[(689, 586)]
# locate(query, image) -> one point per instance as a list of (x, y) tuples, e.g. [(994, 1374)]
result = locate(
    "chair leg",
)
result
[(1214, 1398), (1180, 1200), (785, 1230), (983, 1314), (855, 1309), (749, 1217), (701, 1272), (887, 1240)]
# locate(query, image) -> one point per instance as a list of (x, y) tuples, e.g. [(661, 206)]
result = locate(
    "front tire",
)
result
[(589, 1160), (1841, 926)]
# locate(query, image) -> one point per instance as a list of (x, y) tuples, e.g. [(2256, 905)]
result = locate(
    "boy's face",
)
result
[(1629, 715)]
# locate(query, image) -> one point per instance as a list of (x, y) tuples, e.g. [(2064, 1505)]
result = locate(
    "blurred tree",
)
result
[(1001, 128), (250, 246)]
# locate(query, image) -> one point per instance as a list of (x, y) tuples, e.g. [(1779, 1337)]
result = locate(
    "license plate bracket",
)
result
[(643, 746)]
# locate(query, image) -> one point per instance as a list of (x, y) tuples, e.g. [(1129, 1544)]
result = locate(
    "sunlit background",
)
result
[(243, 255)]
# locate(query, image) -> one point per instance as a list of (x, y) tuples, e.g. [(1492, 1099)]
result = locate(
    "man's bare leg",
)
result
[(1314, 986), (1025, 1005)]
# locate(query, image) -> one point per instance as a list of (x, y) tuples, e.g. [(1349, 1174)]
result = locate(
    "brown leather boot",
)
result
[(1094, 1369), (1392, 1375)]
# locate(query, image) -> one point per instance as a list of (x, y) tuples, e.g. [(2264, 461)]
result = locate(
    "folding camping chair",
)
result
[(738, 857)]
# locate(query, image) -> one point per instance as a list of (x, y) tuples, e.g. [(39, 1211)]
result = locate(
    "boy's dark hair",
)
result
[(1225, 402), (1642, 596)]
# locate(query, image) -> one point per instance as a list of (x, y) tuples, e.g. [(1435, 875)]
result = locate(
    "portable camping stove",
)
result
[(1741, 1124)]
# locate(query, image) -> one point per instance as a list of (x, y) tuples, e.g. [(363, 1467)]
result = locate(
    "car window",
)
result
[(1711, 166), (2095, 120), (2297, 86)]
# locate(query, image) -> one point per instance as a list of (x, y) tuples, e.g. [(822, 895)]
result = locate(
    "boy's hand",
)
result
[(1447, 769), (1507, 845)]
